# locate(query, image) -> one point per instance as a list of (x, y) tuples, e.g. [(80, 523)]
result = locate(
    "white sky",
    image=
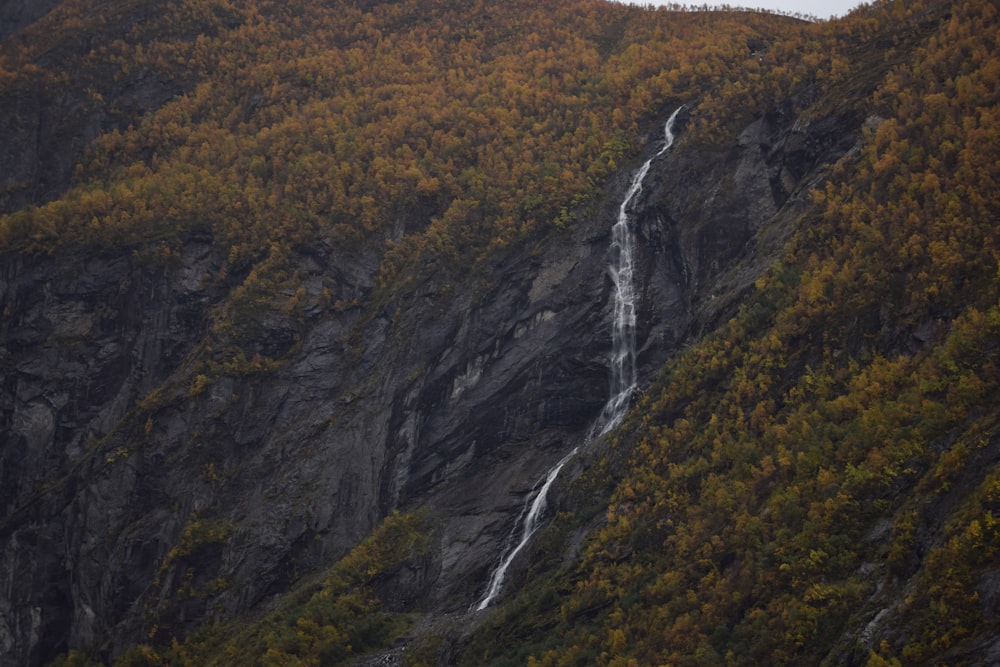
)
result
[(819, 8)]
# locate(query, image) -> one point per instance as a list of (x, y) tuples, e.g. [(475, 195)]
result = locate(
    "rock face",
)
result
[(139, 498)]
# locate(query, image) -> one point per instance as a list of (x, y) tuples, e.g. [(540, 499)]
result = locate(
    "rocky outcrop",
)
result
[(142, 495), (718, 215)]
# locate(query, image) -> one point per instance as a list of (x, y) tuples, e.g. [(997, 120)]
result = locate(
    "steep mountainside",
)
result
[(300, 302)]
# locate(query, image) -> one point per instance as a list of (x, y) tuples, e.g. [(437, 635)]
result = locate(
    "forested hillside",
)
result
[(301, 298), (817, 480)]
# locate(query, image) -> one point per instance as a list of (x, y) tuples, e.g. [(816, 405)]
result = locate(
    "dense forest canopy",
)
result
[(815, 480), (426, 131)]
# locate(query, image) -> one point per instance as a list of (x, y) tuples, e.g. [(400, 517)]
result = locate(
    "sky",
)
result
[(819, 8)]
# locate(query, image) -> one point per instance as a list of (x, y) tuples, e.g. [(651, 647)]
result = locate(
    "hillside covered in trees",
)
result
[(301, 299)]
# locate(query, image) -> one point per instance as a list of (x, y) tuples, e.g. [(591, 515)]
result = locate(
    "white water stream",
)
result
[(623, 378), (623, 373), (528, 520)]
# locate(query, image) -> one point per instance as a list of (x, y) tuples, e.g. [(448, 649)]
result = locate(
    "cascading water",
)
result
[(529, 519), (623, 377), (623, 372)]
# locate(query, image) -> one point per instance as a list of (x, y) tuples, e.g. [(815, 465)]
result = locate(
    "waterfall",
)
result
[(529, 520), (623, 373), (623, 377)]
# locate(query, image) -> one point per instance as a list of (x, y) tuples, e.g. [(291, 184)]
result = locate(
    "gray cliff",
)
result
[(138, 503)]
